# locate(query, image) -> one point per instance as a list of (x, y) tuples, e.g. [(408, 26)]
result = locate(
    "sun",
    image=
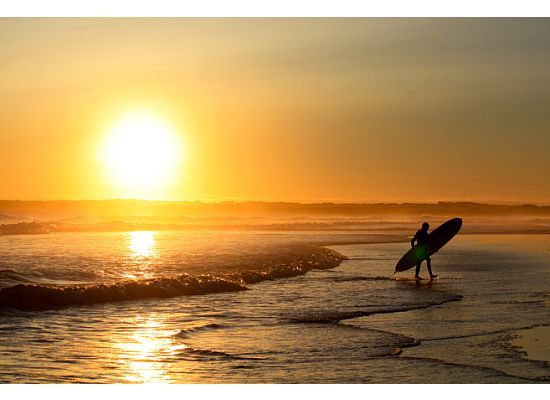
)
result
[(141, 154)]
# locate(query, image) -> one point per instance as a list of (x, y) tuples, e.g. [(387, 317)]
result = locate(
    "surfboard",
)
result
[(437, 238)]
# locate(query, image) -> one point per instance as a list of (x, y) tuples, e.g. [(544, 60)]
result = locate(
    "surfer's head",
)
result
[(425, 226)]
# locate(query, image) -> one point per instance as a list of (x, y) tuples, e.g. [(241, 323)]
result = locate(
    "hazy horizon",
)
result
[(184, 209)]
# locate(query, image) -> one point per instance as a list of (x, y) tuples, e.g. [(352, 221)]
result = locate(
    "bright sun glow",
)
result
[(141, 154), (142, 243)]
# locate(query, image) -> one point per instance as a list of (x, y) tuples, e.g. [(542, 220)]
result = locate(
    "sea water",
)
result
[(306, 315)]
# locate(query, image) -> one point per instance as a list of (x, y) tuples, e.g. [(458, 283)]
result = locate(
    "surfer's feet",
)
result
[(433, 277)]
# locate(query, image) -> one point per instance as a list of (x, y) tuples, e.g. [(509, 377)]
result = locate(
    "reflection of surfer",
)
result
[(421, 237)]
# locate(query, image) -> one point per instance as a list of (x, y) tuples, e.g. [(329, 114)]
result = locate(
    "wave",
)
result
[(385, 278), (11, 275), (357, 278), (191, 353), (43, 297), (187, 332), (336, 316), (472, 366), (37, 297), (484, 333), (203, 354)]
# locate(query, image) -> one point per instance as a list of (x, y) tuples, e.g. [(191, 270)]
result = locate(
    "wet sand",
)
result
[(535, 342)]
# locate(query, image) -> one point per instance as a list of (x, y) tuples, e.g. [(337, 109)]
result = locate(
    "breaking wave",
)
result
[(43, 297), (37, 297)]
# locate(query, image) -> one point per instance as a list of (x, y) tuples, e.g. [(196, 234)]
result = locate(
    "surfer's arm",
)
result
[(412, 240)]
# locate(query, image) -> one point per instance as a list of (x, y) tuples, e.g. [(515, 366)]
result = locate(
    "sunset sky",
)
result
[(277, 109)]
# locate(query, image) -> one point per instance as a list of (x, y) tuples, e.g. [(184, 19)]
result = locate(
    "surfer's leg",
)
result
[(429, 263), (417, 269)]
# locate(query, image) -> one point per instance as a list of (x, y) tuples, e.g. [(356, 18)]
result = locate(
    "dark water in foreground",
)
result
[(349, 324)]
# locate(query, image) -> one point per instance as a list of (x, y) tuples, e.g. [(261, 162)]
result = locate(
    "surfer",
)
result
[(421, 237)]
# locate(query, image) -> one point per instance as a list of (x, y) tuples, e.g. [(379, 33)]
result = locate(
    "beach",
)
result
[(345, 319)]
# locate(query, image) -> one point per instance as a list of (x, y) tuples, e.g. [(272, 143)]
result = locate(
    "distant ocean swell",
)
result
[(43, 297)]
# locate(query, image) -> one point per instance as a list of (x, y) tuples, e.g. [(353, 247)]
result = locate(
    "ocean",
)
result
[(271, 307)]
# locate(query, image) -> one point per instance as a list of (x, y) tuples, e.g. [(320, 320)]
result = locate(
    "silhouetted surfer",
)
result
[(421, 237)]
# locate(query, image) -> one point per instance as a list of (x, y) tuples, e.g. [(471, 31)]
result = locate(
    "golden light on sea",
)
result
[(142, 243), (147, 352)]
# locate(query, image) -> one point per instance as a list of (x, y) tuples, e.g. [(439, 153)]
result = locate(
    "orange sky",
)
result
[(283, 109)]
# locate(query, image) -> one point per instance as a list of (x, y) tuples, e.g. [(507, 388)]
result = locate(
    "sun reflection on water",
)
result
[(147, 352), (142, 243)]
